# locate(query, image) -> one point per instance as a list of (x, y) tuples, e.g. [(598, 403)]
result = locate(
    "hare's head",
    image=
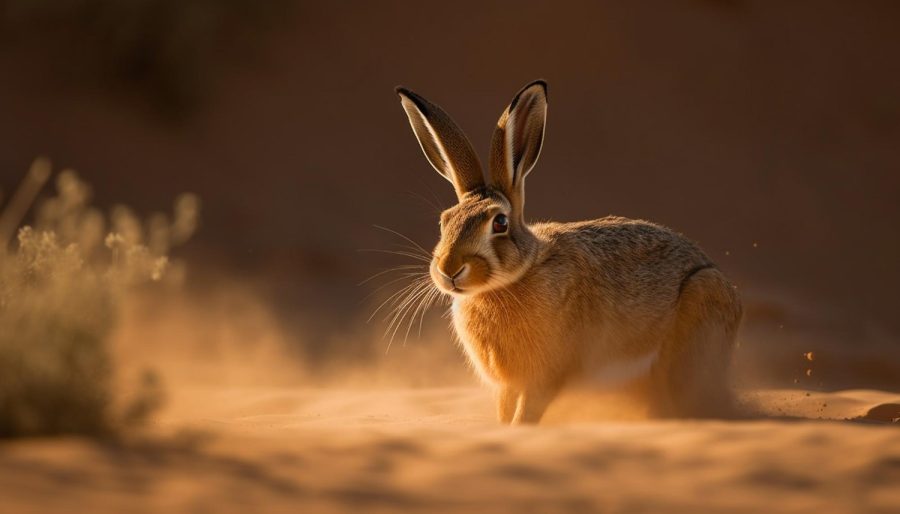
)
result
[(485, 243)]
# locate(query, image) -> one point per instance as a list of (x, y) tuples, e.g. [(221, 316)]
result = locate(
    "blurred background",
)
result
[(766, 131)]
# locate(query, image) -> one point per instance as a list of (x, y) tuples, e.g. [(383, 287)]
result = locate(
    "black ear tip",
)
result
[(539, 82), (417, 100)]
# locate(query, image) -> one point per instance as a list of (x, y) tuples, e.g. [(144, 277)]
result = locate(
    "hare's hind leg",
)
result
[(691, 374)]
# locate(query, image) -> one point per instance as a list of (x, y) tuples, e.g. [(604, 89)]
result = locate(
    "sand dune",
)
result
[(439, 450)]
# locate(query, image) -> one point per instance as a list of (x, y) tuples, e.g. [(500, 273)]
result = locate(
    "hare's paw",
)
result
[(532, 404), (507, 399)]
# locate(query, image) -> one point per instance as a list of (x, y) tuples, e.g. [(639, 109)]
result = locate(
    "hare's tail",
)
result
[(691, 374)]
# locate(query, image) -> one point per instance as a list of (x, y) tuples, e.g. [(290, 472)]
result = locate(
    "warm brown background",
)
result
[(735, 122)]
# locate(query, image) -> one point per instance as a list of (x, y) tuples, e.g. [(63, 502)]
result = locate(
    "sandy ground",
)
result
[(439, 450), (243, 431)]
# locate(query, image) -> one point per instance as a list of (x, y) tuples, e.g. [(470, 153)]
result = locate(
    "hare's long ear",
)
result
[(517, 141), (444, 144)]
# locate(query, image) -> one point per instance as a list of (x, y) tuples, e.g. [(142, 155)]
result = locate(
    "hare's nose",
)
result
[(451, 277)]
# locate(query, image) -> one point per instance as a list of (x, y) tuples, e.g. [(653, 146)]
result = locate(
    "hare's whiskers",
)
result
[(392, 231), (412, 249), (429, 302), (402, 254), (390, 270), (413, 299), (405, 276), (424, 303), (397, 300), (392, 297), (417, 302), (402, 310), (430, 203)]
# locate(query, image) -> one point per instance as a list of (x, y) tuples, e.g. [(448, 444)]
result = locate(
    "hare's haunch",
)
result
[(537, 306)]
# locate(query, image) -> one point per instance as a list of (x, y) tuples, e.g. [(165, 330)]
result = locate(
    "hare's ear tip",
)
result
[(531, 86), (539, 82), (406, 92)]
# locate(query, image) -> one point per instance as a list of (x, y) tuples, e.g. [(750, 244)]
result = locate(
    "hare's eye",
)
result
[(501, 224)]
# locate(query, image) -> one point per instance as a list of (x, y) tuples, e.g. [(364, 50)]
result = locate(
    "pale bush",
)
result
[(61, 283)]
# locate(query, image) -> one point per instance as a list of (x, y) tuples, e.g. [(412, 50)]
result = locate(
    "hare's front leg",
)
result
[(531, 405), (507, 398)]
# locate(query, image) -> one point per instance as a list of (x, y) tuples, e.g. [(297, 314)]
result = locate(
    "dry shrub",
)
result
[(61, 284)]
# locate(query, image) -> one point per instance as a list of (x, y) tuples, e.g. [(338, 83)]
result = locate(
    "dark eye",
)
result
[(501, 224)]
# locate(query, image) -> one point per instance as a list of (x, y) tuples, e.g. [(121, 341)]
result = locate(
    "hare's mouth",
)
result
[(465, 289), (452, 288)]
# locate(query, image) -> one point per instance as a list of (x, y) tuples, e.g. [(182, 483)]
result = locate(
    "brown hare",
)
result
[(537, 306)]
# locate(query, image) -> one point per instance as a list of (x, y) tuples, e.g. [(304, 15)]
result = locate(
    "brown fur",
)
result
[(545, 304)]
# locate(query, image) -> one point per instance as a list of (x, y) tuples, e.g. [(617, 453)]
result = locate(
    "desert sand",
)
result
[(246, 429), (439, 450)]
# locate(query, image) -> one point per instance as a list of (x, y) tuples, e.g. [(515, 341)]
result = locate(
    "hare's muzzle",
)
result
[(450, 277), (460, 276)]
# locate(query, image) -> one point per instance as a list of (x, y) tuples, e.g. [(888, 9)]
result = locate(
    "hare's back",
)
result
[(634, 260)]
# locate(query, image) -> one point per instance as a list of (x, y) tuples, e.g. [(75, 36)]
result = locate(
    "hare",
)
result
[(537, 306)]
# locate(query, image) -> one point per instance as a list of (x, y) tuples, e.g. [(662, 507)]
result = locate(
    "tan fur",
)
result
[(546, 304)]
